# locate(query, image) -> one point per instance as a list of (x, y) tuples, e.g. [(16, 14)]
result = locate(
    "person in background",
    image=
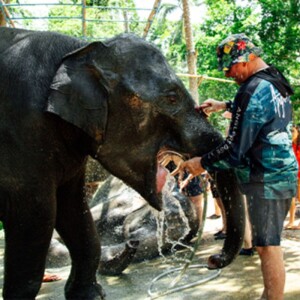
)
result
[(248, 249), (221, 234), (51, 277), (296, 148), (218, 213), (258, 148)]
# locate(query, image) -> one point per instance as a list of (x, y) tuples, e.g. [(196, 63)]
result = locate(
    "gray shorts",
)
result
[(267, 217)]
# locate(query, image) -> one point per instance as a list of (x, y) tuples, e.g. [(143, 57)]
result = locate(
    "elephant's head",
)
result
[(125, 96)]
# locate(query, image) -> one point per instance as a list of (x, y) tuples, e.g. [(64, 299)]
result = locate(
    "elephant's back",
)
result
[(28, 62)]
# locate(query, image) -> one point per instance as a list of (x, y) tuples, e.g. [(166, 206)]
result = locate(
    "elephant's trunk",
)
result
[(235, 217), (116, 259)]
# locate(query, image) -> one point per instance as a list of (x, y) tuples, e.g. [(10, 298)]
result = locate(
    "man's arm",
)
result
[(211, 105)]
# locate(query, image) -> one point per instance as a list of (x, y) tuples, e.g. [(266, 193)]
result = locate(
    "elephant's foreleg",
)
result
[(28, 230), (76, 227)]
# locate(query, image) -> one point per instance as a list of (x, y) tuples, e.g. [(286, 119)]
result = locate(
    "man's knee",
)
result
[(268, 250)]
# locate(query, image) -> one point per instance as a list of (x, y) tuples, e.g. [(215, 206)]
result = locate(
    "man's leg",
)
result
[(267, 217), (272, 266)]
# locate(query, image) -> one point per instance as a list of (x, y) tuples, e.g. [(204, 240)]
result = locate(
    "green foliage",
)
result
[(272, 25), (97, 2), (20, 12), (168, 34), (101, 22)]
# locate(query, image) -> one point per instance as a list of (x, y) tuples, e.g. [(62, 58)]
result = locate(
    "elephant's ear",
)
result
[(80, 90)]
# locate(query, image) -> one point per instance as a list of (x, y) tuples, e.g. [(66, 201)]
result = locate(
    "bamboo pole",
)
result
[(151, 17), (201, 77), (7, 15)]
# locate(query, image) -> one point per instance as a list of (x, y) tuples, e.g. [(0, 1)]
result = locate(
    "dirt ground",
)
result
[(241, 280)]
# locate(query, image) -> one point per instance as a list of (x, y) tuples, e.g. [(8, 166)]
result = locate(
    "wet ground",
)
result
[(241, 280)]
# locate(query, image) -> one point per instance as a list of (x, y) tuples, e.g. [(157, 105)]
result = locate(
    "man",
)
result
[(258, 147)]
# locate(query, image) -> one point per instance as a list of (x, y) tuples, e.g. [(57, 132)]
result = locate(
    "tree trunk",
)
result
[(191, 53), (151, 17), (2, 16), (126, 24)]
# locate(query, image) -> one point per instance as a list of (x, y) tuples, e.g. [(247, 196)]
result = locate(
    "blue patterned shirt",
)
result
[(258, 145)]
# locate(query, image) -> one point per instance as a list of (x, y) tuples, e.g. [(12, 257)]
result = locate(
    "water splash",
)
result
[(164, 228)]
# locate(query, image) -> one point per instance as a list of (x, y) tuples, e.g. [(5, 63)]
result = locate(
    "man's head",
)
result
[(239, 58), (234, 49)]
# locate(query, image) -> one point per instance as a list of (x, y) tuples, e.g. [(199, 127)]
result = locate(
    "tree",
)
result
[(191, 53), (175, 38), (3, 12)]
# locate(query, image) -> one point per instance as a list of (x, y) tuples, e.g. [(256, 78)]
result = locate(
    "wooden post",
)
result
[(126, 23), (151, 17), (6, 13)]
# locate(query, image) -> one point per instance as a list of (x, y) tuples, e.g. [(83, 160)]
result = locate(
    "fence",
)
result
[(84, 20), (79, 19)]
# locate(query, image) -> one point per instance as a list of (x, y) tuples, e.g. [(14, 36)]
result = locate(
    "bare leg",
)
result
[(292, 212), (298, 190), (218, 211), (198, 202), (272, 266), (248, 234), (220, 204)]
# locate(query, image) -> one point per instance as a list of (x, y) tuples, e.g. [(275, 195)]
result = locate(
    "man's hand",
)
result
[(211, 105), (192, 166)]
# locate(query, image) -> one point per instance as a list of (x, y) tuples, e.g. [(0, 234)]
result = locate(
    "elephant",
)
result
[(132, 231), (63, 99)]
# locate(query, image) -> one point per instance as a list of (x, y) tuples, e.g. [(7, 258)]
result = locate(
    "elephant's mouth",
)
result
[(161, 178), (164, 157)]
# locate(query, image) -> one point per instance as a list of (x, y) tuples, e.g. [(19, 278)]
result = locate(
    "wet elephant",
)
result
[(63, 99), (132, 231)]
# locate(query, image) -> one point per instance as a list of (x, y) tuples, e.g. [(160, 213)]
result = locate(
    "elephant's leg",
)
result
[(28, 229), (76, 227)]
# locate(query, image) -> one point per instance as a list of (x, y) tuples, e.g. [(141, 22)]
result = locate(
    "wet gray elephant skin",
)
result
[(127, 218), (62, 99), (129, 227)]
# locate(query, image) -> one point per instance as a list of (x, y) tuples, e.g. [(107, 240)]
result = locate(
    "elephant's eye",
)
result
[(172, 98)]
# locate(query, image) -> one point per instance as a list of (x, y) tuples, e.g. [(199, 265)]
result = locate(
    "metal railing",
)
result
[(20, 15)]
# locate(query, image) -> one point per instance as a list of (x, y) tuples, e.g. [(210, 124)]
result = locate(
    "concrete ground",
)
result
[(241, 280)]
